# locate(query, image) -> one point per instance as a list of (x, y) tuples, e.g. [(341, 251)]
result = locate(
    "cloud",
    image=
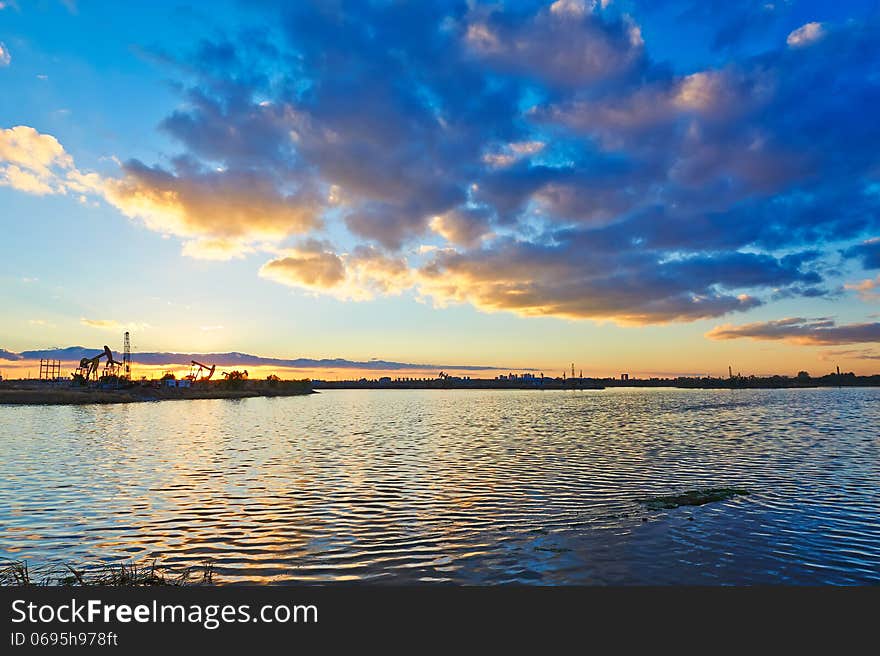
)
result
[(359, 275), (112, 324), (25, 146), (868, 252), (216, 249), (9, 355), (312, 267), (554, 166), (5, 57), (868, 289), (798, 330), (576, 278), (849, 355), (75, 353), (32, 162), (512, 153), (573, 279), (223, 213), (564, 44), (805, 35), (103, 324), (463, 226), (221, 208)]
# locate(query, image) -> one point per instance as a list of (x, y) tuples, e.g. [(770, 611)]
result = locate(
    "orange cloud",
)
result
[(868, 289), (359, 275), (798, 330), (224, 213), (224, 210), (311, 266)]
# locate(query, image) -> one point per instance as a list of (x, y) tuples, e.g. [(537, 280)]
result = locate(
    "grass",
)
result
[(692, 498), (19, 573)]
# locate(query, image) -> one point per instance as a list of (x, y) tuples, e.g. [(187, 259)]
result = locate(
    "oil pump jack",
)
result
[(204, 372), (88, 367)]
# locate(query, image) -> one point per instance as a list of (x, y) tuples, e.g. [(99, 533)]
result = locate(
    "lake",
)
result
[(461, 486)]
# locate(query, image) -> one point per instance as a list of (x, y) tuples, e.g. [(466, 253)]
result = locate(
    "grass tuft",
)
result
[(19, 573)]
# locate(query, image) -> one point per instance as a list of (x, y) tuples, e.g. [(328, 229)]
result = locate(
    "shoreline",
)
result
[(40, 395), (591, 386), (87, 396)]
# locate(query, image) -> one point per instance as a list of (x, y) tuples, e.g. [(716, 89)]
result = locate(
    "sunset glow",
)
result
[(516, 186)]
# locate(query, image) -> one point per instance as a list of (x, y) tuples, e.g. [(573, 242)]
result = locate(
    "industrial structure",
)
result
[(88, 367), (204, 371), (50, 369)]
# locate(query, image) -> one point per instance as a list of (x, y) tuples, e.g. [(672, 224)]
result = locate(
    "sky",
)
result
[(652, 188)]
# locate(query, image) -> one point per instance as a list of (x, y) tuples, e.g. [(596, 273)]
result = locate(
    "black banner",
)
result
[(224, 619)]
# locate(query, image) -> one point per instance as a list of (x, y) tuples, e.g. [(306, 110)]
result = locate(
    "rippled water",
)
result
[(462, 486)]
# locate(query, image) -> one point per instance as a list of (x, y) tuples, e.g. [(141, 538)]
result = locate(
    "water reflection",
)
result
[(462, 486)]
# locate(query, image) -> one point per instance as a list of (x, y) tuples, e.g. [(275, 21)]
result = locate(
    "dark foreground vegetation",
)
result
[(16, 572)]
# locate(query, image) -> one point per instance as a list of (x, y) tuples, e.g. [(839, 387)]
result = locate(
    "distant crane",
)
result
[(126, 355), (199, 374)]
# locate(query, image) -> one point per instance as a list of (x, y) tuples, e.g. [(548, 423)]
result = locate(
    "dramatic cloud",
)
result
[(222, 208), (578, 278), (565, 44), (9, 355), (812, 332), (548, 160), (224, 212)]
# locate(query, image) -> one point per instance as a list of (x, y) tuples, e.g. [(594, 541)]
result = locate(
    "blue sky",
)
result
[(523, 184)]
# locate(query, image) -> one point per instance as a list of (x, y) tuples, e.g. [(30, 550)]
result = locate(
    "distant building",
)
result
[(624, 376)]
